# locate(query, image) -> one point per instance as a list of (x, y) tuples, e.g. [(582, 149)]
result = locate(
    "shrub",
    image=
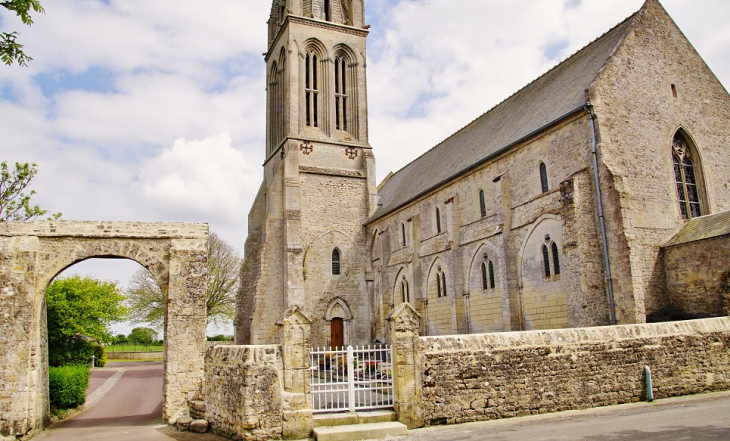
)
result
[(67, 385), (99, 356)]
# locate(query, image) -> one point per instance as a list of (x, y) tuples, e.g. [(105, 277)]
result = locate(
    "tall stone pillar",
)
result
[(294, 337), (404, 324), (185, 326)]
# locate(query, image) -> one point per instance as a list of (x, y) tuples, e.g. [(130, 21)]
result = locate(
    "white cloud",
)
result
[(186, 69), (201, 177), (436, 65)]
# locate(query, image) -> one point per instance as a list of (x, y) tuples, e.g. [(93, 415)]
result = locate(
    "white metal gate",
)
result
[(352, 379)]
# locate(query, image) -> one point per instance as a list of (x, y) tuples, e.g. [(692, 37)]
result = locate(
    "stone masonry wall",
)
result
[(242, 391), (698, 278), (491, 376)]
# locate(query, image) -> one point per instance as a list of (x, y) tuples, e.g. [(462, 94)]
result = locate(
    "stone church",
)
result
[(597, 194)]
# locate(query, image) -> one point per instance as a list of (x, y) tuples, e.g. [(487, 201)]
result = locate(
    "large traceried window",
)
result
[(312, 89), (685, 176)]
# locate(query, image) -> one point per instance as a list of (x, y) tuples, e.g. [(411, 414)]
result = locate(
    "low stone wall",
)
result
[(242, 391), (133, 355), (482, 377)]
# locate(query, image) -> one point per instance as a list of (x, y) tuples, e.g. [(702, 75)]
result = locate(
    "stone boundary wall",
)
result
[(242, 391), (491, 376)]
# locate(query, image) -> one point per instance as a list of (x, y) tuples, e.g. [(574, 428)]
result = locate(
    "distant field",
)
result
[(134, 348)]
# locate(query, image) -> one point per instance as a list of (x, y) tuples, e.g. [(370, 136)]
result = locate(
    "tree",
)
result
[(142, 336), (10, 50), (14, 203), (147, 304), (79, 313)]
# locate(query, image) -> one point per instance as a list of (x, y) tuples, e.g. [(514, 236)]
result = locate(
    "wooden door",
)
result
[(338, 333)]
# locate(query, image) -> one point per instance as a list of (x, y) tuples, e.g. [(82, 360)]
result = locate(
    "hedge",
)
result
[(100, 356), (67, 386)]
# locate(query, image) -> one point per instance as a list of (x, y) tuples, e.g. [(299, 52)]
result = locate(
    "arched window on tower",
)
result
[(403, 234), (311, 89), (341, 96), (685, 175), (482, 204), (335, 262), (543, 178), (327, 10), (438, 221)]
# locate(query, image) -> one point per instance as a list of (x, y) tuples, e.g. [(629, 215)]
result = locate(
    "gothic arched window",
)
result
[(556, 259), (443, 284), (491, 275), (311, 89), (335, 262), (341, 96), (482, 204), (404, 291), (438, 221), (485, 277), (543, 178), (685, 176), (546, 260), (550, 259)]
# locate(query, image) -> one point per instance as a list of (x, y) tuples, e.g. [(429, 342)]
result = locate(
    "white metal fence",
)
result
[(351, 379)]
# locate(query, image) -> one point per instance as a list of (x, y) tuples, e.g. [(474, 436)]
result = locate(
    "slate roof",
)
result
[(700, 228), (544, 102)]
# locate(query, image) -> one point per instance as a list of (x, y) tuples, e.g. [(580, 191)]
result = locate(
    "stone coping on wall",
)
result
[(99, 229), (572, 336)]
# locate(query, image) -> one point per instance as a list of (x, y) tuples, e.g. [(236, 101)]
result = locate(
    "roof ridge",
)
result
[(595, 40)]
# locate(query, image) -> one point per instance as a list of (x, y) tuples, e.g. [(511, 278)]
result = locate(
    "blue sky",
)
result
[(154, 110)]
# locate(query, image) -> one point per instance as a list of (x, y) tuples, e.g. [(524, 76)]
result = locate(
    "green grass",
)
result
[(133, 348)]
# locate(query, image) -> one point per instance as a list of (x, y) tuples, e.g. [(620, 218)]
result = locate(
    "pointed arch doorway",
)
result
[(337, 332), (339, 317)]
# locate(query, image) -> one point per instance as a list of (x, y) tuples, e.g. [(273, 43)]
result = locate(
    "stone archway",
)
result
[(33, 253)]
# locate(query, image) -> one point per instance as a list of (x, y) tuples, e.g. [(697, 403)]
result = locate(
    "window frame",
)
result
[(336, 262), (544, 183), (482, 204)]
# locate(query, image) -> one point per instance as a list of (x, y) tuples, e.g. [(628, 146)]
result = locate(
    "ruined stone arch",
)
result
[(34, 253)]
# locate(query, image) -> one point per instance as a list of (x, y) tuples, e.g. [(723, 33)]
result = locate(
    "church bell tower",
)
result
[(307, 247)]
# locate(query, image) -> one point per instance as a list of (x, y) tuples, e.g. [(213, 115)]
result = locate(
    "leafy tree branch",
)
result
[(10, 50), (14, 202)]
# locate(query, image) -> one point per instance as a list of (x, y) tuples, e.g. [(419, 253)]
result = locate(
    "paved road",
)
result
[(124, 402), (701, 417), (130, 408)]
